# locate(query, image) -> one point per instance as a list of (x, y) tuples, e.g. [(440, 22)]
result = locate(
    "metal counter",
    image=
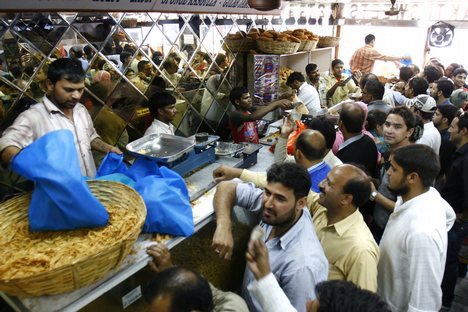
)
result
[(201, 189)]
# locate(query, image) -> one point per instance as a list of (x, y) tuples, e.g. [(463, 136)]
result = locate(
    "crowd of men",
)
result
[(377, 207), (372, 214)]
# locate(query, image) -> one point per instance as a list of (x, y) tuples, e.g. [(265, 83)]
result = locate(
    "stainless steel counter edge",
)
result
[(126, 273)]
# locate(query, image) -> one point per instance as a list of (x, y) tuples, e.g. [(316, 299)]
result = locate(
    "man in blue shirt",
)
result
[(309, 152), (296, 257)]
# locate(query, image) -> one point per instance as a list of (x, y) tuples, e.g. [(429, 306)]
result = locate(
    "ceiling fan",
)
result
[(392, 11)]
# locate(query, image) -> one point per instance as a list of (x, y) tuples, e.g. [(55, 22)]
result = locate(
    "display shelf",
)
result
[(263, 72)]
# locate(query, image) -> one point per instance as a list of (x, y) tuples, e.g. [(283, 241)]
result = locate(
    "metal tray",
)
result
[(250, 148), (211, 139), (161, 147), (228, 149)]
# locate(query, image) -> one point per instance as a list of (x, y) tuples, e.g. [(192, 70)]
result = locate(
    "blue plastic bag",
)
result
[(112, 163), (165, 195), (61, 199), (168, 207)]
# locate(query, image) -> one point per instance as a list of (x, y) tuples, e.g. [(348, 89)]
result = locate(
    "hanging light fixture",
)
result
[(264, 5)]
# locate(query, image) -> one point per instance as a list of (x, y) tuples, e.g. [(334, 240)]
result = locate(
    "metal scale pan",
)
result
[(164, 148)]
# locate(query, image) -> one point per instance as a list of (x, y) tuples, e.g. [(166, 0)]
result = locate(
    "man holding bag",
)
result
[(59, 109)]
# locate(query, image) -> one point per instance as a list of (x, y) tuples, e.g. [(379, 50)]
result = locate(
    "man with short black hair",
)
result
[(339, 85), (296, 256), (425, 106), (413, 248), (459, 78), (415, 87), (242, 121), (59, 109), (305, 92), (442, 90), (397, 130), (178, 289), (162, 107), (455, 192), (442, 119), (167, 290), (364, 58), (317, 81), (431, 74), (372, 95), (145, 74)]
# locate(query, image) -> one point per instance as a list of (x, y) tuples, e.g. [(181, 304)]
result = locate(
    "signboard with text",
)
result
[(175, 6)]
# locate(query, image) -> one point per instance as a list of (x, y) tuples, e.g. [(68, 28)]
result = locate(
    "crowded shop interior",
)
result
[(218, 155)]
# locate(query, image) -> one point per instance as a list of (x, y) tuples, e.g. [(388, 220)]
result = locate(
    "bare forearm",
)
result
[(99, 145), (263, 110), (8, 153), (223, 202)]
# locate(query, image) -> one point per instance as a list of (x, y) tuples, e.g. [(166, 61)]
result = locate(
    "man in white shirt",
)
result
[(59, 109), (425, 106), (162, 107), (305, 92), (413, 248)]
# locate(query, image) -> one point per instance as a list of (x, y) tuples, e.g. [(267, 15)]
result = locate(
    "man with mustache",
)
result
[(296, 257), (60, 109)]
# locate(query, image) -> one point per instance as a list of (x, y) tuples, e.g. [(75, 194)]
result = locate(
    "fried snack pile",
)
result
[(24, 253)]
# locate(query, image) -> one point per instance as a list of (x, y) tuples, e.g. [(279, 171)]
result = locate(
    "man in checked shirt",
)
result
[(364, 58)]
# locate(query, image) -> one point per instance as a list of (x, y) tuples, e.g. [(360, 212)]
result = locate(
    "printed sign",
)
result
[(175, 6)]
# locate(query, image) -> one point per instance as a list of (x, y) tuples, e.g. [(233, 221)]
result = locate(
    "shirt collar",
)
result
[(162, 124), (342, 226), (350, 140), (293, 232), (429, 125), (462, 150), (51, 107), (320, 165)]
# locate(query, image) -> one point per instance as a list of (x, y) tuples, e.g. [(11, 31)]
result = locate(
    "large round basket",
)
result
[(241, 45), (84, 270), (327, 41), (307, 45), (278, 47)]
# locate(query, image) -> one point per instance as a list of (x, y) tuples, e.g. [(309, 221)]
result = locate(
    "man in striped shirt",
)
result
[(364, 58)]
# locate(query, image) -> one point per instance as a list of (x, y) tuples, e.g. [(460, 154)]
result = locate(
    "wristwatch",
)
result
[(373, 195)]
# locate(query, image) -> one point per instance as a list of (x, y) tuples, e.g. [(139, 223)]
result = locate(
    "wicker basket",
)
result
[(313, 44), (278, 47), (327, 41), (84, 271), (241, 45), (307, 45)]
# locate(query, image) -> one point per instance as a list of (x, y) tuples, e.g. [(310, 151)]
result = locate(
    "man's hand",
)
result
[(223, 242), (288, 127), (225, 173), (289, 95), (283, 104), (161, 257), (115, 149), (257, 259), (357, 75)]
